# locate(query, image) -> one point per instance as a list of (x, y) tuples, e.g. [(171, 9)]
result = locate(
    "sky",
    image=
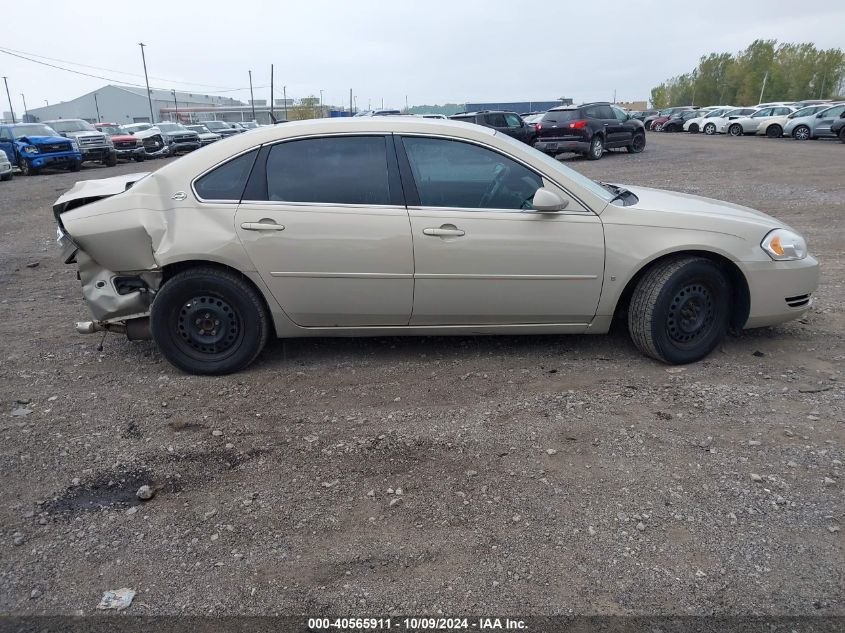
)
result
[(429, 52)]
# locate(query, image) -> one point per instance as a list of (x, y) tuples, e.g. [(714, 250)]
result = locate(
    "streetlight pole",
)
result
[(97, 107), (285, 100), (9, 97), (321, 104), (24, 108), (147, 80), (251, 96), (175, 103)]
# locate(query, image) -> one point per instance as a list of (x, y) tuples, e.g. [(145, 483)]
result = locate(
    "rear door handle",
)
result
[(444, 232), (262, 226)]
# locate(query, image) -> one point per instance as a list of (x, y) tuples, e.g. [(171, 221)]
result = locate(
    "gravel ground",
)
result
[(531, 475)]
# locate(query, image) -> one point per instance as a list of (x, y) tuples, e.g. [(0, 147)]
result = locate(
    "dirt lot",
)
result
[(456, 475)]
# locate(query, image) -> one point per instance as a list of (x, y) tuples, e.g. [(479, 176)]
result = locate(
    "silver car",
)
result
[(815, 125), (384, 226)]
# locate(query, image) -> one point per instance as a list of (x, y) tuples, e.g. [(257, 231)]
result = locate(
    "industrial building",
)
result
[(126, 104), (522, 107)]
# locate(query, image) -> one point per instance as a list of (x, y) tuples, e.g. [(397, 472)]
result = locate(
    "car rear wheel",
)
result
[(693, 128), (774, 131), (842, 134), (596, 148), (801, 133), (710, 129), (209, 321), (680, 309), (735, 130), (637, 143)]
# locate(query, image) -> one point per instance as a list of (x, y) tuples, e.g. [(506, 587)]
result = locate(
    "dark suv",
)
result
[(589, 129), (509, 123)]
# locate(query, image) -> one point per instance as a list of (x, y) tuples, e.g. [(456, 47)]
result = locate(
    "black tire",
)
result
[(774, 131), (75, 166), (801, 133), (111, 161), (735, 130), (637, 143), (209, 321), (6, 176), (596, 148), (710, 129), (842, 134), (26, 168), (139, 159), (693, 128), (680, 310)]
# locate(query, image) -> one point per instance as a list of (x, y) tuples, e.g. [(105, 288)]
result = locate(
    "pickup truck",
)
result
[(125, 145), (32, 146), (94, 145)]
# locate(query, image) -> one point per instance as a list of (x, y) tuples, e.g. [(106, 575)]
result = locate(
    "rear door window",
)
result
[(561, 116), (329, 170)]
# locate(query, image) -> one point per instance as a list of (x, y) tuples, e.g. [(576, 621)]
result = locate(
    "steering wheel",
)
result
[(499, 176)]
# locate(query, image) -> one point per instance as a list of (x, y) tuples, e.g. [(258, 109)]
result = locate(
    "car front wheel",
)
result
[(680, 309), (842, 134), (637, 143), (774, 131), (801, 133), (26, 168), (735, 130), (209, 321), (710, 129)]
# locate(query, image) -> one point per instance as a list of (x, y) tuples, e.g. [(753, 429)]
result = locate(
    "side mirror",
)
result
[(547, 201), (819, 115)]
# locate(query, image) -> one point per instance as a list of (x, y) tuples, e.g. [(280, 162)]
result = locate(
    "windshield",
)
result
[(72, 125), (198, 128), (20, 131), (111, 129), (170, 127), (216, 125), (714, 113)]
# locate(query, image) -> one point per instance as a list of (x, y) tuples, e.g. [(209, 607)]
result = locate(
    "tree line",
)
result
[(765, 71)]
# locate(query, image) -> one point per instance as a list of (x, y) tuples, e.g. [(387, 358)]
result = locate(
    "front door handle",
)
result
[(444, 231), (262, 226)]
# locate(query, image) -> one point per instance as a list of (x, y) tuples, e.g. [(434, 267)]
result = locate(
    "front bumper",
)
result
[(96, 153), (5, 168), (58, 158), (184, 148), (560, 146), (779, 291), (130, 152)]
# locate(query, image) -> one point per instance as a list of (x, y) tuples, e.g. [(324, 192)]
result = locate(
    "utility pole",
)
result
[(321, 104), (285, 100), (147, 80), (46, 102), (24, 108), (765, 79), (9, 97), (272, 97), (251, 96), (406, 104), (175, 103), (382, 103), (350, 102), (96, 106)]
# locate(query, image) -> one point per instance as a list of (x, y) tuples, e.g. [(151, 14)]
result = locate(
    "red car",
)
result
[(126, 145)]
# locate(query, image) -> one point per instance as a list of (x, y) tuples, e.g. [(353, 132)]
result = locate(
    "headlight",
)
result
[(139, 143), (782, 245), (74, 145), (30, 149), (109, 142)]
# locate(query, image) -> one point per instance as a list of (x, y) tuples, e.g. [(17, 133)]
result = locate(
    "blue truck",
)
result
[(33, 146)]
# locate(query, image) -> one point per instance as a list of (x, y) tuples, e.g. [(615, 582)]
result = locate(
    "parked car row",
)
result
[(68, 143), (589, 129), (799, 120)]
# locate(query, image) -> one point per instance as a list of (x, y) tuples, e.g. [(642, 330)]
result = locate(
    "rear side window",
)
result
[(227, 181), (496, 120), (331, 170), (513, 120)]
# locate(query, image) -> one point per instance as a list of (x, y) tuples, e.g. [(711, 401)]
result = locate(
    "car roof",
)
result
[(474, 112)]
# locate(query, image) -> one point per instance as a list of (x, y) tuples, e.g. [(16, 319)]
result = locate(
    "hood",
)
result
[(86, 191), (39, 140), (83, 133), (690, 211), (208, 135)]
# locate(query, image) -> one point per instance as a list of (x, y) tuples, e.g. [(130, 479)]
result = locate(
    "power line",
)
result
[(111, 70), (111, 79)]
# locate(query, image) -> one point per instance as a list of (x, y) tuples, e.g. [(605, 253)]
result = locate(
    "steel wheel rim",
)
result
[(207, 327), (692, 314)]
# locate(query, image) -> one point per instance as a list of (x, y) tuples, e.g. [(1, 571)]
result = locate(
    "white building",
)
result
[(124, 104)]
